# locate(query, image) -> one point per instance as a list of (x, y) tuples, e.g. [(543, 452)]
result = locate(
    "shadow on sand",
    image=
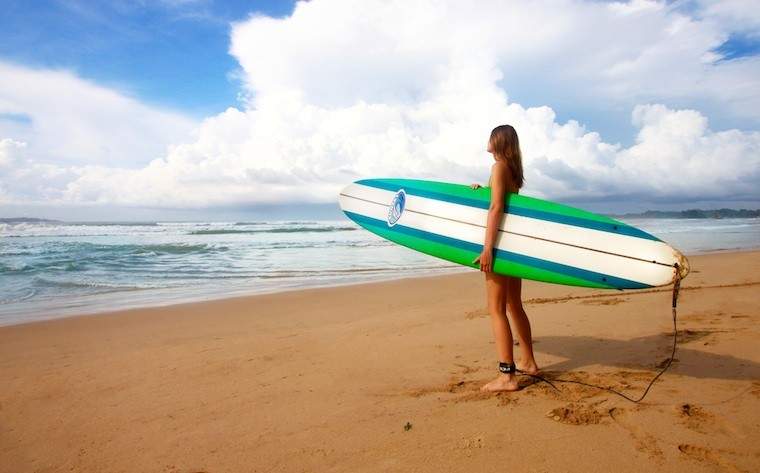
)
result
[(647, 353)]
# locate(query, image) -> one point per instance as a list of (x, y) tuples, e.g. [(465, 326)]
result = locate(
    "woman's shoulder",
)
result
[(501, 169)]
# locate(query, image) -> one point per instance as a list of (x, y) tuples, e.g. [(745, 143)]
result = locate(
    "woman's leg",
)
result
[(496, 293), (496, 287), (522, 324)]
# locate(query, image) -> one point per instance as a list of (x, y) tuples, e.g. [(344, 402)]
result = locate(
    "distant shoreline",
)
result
[(690, 213), (693, 213), (29, 220)]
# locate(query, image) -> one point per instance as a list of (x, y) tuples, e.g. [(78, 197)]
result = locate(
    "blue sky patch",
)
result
[(16, 117), (739, 46), (167, 53)]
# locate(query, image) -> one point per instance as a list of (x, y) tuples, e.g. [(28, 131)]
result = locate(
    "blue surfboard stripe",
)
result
[(523, 212), (588, 275)]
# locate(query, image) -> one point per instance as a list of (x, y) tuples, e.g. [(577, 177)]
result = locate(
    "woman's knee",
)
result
[(516, 308)]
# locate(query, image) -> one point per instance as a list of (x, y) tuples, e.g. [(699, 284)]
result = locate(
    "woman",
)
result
[(503, 292)]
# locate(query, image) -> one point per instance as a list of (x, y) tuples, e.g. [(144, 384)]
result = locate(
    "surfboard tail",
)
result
[(683, 265)]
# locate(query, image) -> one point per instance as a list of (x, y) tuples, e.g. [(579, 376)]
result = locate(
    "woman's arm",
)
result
[(495, 213), (496, 209)]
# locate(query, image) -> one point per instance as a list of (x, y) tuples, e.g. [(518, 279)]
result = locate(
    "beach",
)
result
[(386, 376)]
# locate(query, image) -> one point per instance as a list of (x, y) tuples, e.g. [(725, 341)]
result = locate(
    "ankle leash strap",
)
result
[(507, 367)]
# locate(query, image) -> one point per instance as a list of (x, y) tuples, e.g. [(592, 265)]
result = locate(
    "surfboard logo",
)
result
[(397, 207)]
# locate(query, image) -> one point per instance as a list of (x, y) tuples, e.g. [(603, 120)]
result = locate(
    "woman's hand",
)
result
[(485, 259), (475, 186)]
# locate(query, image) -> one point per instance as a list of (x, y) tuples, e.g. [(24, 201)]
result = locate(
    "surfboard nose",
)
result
[(343, 194)]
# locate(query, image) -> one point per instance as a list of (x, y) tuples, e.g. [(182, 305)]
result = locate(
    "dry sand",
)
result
[(386, 377)]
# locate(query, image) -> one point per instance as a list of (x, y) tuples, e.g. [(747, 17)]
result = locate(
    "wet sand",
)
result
[(386, 376)]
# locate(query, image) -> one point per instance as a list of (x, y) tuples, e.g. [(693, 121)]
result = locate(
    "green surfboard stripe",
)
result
[(464, 257), (484, 194)]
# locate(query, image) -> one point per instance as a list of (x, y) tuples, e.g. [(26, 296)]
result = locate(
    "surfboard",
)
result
[(537, 239)]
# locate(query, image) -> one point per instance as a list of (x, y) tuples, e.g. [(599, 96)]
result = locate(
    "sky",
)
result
[(198, 109)]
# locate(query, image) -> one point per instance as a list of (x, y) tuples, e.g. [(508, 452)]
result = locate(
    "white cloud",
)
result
[(413, 89), (615, 53), (25, 180), (8, 153), (70, 121), (742, 16)]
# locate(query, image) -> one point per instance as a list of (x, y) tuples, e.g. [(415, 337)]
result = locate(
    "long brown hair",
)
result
[(504, 143)]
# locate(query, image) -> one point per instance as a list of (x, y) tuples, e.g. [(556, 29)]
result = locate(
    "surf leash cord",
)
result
[(676, 288)]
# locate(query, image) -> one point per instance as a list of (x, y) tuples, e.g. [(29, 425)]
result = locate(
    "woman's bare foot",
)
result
[(529, 368), (505, 382)]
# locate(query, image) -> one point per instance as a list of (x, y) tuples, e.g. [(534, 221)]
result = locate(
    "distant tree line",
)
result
[(27, 220), (697, 213)]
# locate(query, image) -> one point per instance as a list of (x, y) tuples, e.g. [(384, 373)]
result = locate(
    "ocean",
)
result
[(50, 270)]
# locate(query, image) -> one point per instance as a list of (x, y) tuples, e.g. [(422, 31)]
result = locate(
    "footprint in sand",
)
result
[(706, 455), (697, 452), (755, 389), (695, 418), (604, 301), (576, 414), (476, 314), (642, 441)]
